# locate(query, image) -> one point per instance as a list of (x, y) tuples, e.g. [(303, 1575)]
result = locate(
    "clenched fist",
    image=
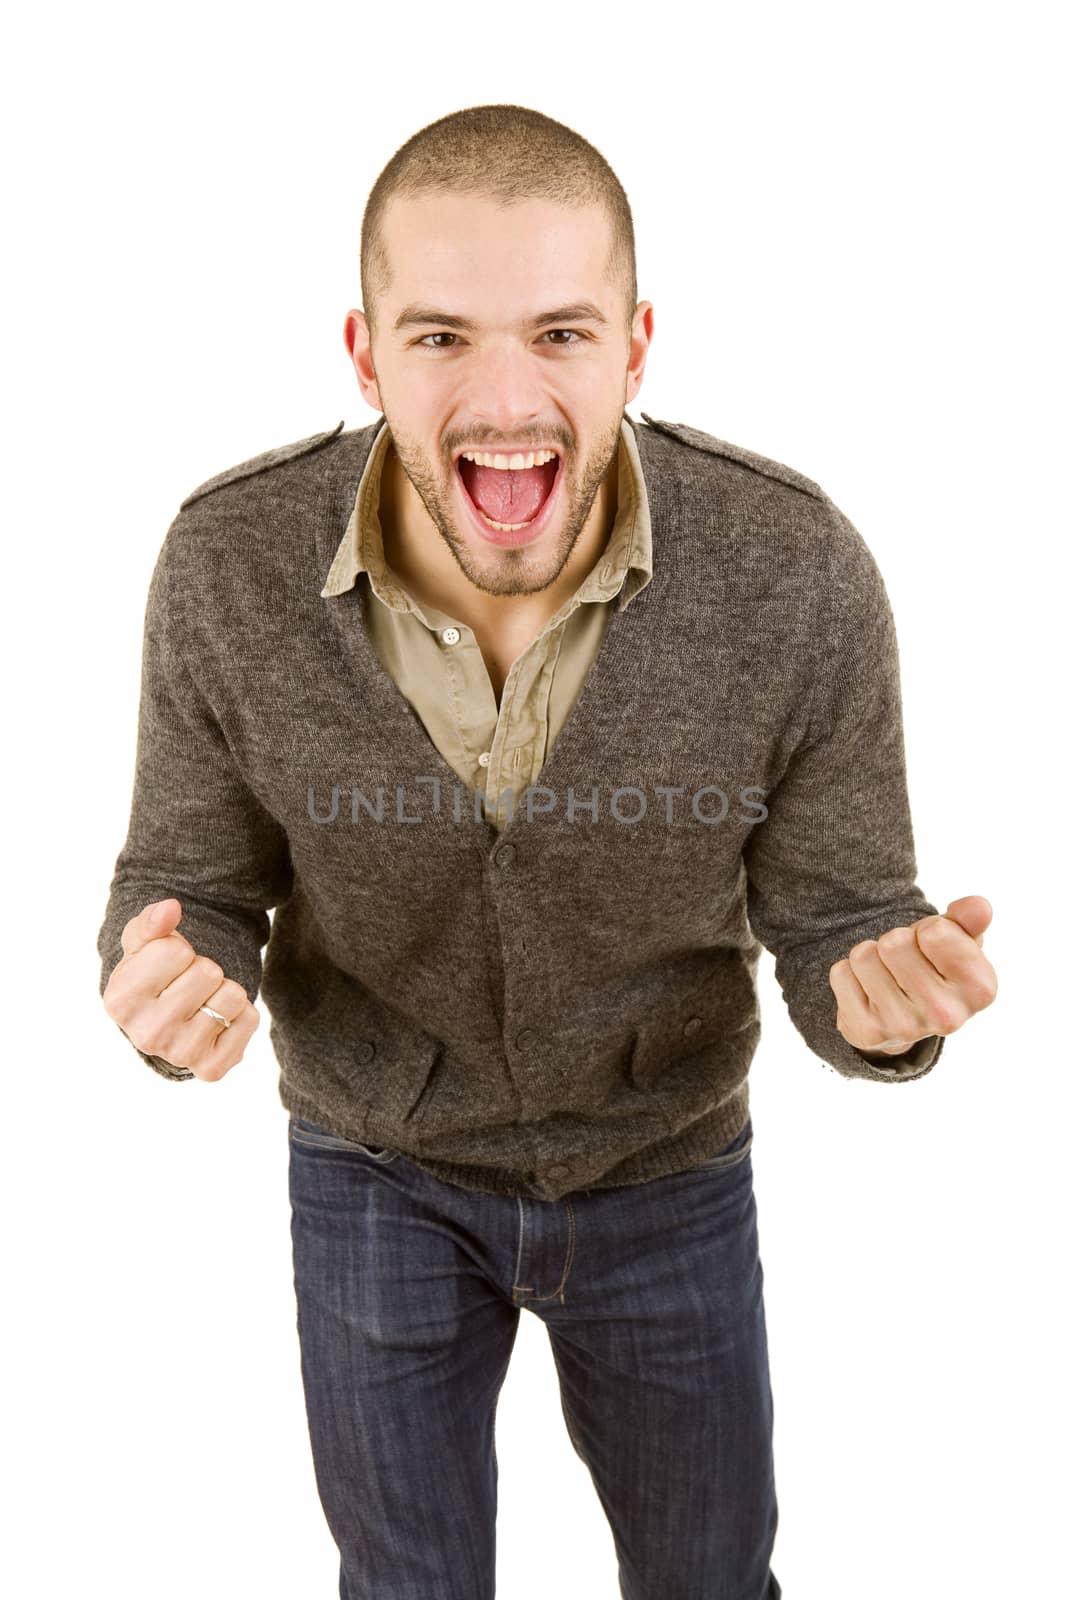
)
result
[(156, 991)]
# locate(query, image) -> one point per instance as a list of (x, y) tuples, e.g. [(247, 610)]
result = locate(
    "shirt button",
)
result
[(484, 758), (450, 635), (526, 1038)]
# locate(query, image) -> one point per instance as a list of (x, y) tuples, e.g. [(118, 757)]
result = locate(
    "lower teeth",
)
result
[(505, 527)]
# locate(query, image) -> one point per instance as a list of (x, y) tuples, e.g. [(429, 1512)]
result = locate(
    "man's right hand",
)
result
[(156, 991)]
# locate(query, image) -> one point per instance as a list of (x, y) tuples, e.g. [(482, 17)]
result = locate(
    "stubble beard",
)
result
[(521, 570)]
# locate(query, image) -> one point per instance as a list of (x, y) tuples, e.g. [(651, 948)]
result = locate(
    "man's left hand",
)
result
[(915, 981)]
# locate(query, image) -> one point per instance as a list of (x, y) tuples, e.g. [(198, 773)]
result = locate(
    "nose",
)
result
[(506, 396)]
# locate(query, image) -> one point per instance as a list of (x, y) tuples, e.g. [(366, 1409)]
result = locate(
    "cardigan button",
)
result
[(526, 1039), (560, 1170), (364, 1051), (693, 1026), (505, 855)]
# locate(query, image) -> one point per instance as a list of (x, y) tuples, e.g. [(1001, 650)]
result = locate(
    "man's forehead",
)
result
[(466, 262)]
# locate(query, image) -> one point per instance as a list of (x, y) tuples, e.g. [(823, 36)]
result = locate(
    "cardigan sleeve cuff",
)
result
[(813, 1008), (913, 1063)]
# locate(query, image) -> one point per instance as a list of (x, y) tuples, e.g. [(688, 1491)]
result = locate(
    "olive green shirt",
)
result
[(493, 749)]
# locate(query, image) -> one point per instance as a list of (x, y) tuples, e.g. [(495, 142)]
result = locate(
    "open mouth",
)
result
[(509, 507)]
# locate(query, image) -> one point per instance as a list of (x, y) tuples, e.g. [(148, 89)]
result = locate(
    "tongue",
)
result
[(509, 496)]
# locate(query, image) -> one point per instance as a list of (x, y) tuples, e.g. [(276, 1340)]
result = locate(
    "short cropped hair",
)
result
[(509, 154)]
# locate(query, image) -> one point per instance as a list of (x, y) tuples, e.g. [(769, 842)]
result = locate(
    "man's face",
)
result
[(499, 384)]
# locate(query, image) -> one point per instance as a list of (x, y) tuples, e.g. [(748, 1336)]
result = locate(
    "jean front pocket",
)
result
[(738, 1148), (311, 1135)]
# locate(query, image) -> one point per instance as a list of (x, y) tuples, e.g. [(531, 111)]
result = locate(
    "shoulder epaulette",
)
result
[(263, 463), (735, 452)]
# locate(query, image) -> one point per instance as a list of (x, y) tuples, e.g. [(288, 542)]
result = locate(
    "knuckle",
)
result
[(113, 1004), (210, 969), (151, 1039), (232, 993), (945, 1016), (985, 991)]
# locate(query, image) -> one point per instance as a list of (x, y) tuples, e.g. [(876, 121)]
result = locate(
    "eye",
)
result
[(575, 337)]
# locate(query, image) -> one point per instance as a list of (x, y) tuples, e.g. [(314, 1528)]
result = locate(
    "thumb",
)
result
[(973, 912), (155, 921)]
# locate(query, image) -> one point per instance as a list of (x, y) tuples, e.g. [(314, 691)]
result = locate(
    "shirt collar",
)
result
[(625, 564)]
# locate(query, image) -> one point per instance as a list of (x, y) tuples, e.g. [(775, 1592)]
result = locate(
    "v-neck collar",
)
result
[(347, 610)]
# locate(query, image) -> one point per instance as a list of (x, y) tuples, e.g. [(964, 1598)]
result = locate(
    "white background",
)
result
[(846, 222)]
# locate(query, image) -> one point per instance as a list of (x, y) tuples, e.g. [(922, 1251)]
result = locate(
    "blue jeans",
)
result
[(408, 1296)]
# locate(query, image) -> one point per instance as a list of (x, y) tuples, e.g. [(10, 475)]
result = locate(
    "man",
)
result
[(533, 723)]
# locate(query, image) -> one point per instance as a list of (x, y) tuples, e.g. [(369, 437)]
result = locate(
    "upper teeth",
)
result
[(536, 458)]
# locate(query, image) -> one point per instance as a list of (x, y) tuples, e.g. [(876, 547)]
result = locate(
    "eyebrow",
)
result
[(416, 316)]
